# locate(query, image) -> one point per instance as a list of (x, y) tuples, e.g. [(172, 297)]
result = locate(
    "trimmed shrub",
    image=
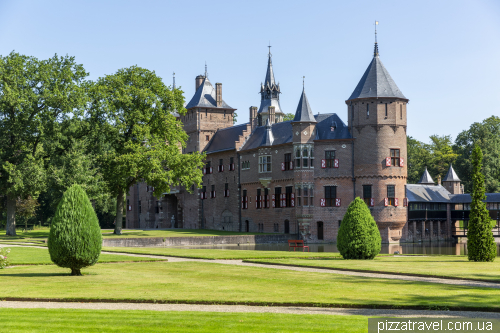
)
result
[(358, 237), (75, 238), (481, 245)]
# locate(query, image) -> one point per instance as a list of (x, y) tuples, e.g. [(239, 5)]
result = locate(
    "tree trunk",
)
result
[(11, 216), (119, 213), (76, 272)]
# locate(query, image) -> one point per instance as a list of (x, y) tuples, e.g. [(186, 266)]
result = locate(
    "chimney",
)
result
[(272, 115), (199, 81), (218, 94), (439, 179), (253, 117)]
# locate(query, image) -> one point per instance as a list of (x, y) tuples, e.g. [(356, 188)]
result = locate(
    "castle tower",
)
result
[(451, 182), (206, 113), (270, 96), (376, 112), (304, 132)]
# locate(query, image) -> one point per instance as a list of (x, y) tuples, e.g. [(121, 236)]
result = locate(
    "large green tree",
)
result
[(418, 156), (134, 112), (38, 98), (487, 136), (481, 245)]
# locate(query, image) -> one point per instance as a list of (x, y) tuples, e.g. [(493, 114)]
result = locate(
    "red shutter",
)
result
[(222, 166), (267, 201), (387, 161), (337, 202), (322, 202), (273, 199), (401, 162), (293, 200), (323, 164), (282, 166), (242, 202), (396, 201), (386, 202), (246, 202), (335, 163), (255, 201), (405, 202), (372, 202), (291, 165)]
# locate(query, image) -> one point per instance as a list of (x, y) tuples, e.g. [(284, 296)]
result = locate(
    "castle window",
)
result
[(226, 189), (298, 194), (207, 137), (330, 196), (245, 165), (204, 192), (305, 158), (297, 158), (224, 113), (212, 192), (367, 110), (288, 196), (391, 194), (386, 109), (330, 158), (367, 194), (157, 208), (277, 197), (401, 111), (265, 163), (258, 200), (266, 198), (395, 157), (140, 207), (288, 162), (306, 196)]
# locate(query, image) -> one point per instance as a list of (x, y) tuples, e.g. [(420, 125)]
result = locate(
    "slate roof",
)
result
[(466, 198), (265, 103), (451, 175), (204, 97), (269, 73), (268, 137), (427, 193), (283, 132), (426, 178), (376, 82), (304, 112), (225, 139)]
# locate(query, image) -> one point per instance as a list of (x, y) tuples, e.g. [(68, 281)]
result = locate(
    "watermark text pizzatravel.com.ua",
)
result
[(432, 325)]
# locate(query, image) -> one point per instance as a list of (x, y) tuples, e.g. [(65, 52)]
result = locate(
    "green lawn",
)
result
[(446, 266), (37, 256), (65, 320), (218, 283), (219, 254)]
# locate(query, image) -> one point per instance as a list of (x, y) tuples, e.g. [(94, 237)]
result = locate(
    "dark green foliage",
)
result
[(75, 238), (481, 245), (358, 237)]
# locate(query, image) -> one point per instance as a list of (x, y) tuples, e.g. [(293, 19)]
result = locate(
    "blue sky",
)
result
[(444, 55)]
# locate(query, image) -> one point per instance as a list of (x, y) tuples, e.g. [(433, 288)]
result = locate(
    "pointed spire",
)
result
[(426, 178), (304, 112), (375, 51), (451, 176), (270, 73), (268, 138), (206, 73)]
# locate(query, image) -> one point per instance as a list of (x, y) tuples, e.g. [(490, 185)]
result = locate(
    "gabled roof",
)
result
[(225, 139), (204, 97), (304, 112), (426, 178), (451, 176), (283, 132), (466, 198), (427, 193), (376, 82)]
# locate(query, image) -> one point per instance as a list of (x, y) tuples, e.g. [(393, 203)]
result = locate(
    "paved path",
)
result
[(251, 309)]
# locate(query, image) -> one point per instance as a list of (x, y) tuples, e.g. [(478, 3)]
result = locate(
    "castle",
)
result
[(299, 176)]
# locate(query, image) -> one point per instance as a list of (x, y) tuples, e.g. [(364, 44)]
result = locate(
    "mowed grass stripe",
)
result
[(213, 283), (456, 267), (65, 320)]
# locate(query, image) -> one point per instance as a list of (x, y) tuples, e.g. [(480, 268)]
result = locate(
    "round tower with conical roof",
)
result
[(377, 121)]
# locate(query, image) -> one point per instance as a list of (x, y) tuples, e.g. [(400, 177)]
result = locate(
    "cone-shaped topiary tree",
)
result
[(75, 238), (481, 245), (358, 237)]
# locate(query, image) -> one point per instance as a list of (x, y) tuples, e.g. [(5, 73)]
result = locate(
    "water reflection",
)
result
[(443, 247)]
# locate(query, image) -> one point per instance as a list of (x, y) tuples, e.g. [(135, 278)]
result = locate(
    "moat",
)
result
[(443, 247)]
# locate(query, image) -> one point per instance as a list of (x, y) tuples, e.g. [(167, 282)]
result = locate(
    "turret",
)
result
[(269, 92), (451, 182), (376, 113)]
